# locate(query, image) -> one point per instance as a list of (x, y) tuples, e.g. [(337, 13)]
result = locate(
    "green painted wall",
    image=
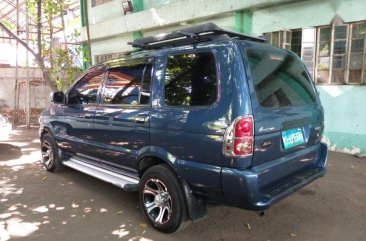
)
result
[(138, 6), (243, 21), (85, 48), (345, 117)]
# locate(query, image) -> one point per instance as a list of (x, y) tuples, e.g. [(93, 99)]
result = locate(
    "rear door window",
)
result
[(279, 78), (190, 80)]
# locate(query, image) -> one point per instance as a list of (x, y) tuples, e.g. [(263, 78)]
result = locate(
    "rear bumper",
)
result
[(262, 186)]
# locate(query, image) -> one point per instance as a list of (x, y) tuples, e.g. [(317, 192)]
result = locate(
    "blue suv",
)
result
[(195, 116)]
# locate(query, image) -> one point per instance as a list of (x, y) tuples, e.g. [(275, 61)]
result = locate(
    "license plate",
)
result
[(292, 138)]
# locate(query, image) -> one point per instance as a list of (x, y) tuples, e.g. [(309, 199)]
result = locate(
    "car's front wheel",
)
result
[(49, 151), (162, 199)]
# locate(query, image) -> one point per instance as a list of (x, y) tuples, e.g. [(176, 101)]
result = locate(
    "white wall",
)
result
[(39, 93)]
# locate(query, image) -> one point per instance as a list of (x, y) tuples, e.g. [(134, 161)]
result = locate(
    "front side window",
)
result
[(86, 90), (279, 78), (190, 80), (128, 85)]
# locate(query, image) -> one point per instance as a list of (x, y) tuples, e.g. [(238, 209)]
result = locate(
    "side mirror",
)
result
[(57, 97)]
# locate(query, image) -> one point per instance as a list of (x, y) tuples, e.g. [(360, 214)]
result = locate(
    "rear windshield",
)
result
[(279, 78)]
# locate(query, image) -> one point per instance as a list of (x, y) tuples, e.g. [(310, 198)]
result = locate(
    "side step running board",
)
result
[(125, 182)]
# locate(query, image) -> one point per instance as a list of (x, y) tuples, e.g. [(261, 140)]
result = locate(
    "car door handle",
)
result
[(88, 116), (142, 118)]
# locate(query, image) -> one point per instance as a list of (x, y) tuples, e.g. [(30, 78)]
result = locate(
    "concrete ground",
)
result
[(37, 205)]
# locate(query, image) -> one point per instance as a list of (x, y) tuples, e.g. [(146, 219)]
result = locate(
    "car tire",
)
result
[(50, 158), (162, 199)]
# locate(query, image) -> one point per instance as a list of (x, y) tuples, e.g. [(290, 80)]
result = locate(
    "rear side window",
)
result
[(190, 80), (279, 78), (128, 85)]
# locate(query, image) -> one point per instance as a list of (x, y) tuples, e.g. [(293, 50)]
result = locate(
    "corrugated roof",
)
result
[(9, 15)]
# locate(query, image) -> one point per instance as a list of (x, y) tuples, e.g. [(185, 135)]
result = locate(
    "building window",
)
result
[(99, 2), (105, 57), (295, 43), (332, 54), (323, 54), (339, 41), (280, 39), (357, 73), (308, 42)]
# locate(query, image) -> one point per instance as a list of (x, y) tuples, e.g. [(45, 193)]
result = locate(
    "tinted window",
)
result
[(190, 80), (279, 78), (128, 85), (86, 90)]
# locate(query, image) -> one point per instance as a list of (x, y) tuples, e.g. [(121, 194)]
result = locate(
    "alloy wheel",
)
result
[(47, 154), (157, 201)]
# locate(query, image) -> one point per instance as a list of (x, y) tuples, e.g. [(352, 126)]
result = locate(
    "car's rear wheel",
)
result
[(49, 151), (162, 199)]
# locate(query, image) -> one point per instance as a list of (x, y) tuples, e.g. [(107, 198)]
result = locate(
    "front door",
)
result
[(122, 119), (74, 125)]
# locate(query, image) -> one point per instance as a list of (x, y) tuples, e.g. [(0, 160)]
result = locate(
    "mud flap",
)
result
[(197, 208)]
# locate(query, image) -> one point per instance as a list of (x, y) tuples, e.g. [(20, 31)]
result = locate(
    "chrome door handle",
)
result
[(142, 118)]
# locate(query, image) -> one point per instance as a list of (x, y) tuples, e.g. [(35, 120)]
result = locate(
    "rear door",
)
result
[(287, 113)]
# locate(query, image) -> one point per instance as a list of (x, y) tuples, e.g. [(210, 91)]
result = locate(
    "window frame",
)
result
[(314, 49), (95, 3), (363, 54), (317, 55), (147, 61), (218, 94), (345, 55), (109, 56)]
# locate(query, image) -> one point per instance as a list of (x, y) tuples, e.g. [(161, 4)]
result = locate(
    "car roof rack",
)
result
[(196, 34)]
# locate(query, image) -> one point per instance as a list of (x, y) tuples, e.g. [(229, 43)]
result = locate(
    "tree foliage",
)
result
[(57, 61), (60, 60)]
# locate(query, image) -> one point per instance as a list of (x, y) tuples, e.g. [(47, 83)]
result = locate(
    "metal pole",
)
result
[(28, 110), (85, 8), (16, 95)]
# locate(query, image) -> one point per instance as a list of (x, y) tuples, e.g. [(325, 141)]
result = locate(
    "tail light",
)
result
[(238, 140)]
